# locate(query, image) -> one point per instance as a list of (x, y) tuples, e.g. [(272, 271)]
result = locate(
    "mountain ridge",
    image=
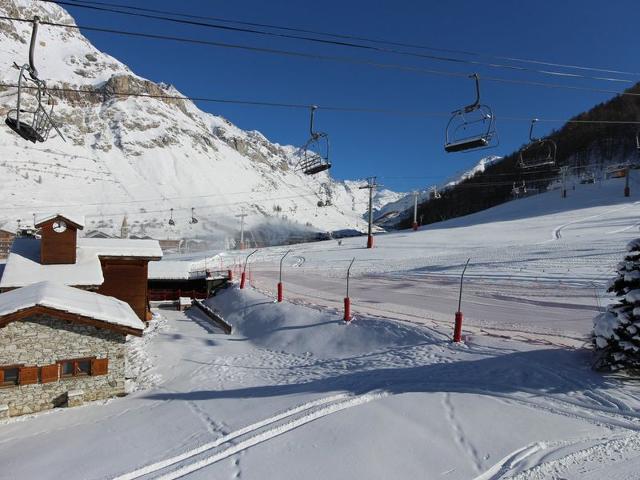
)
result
[(150, 159)]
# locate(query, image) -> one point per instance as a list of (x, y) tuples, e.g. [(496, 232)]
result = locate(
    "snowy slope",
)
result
[(143, 156), (295, 393)]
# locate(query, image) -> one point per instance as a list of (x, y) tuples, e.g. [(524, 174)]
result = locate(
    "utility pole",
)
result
[(242, 216), (371, 185), (627, 190), (415, 211), (563, 171)]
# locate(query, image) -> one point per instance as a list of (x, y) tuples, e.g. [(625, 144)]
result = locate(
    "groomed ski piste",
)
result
[(296, 393)]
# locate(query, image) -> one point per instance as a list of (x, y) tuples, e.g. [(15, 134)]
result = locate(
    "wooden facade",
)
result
[(6, 239), (126, 279), (58, 247)]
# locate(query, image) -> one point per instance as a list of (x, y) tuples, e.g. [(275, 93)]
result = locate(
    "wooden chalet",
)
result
[(113, 267)]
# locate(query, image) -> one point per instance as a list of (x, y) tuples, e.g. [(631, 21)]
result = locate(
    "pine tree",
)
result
[(616, 332)]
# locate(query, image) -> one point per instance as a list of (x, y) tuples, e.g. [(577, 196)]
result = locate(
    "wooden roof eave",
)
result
[(67, 220), (68, 316)]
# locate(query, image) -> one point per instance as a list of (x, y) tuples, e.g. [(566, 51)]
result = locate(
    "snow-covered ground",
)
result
[(296, 393)]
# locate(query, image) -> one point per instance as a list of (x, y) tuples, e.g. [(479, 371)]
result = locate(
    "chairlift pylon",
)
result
[(171, 221), (315, 153), (30, 119), (193, 217), (472, 127), (539, 152)]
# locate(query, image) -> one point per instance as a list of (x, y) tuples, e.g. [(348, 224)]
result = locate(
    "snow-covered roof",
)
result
[(169, 270), (72, 300), (23, 263), (77, 220), (23, 267), (117, 247)]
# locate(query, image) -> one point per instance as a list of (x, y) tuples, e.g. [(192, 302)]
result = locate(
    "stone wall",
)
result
[(43, 340)]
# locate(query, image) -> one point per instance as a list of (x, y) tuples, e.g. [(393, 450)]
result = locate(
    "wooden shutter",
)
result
[(1, 376), (28, 375), (50, 373), (99, 366)]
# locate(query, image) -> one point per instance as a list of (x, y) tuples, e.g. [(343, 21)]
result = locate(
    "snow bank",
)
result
[(139, 367), (301, 330)]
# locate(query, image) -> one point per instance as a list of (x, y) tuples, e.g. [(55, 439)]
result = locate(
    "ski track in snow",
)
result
[(557, 232), (293, 418), (302, 414)]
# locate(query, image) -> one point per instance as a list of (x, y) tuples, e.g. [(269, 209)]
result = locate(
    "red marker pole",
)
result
[(457, 329), (280, 287), (347, 300), (347, 309), (243, 277), (370, 241)]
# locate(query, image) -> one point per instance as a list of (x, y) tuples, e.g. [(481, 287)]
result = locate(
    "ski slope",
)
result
[(540, 251), (295, 393)]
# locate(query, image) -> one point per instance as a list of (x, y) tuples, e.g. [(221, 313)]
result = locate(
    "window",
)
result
[(9, 375), (76, 367)]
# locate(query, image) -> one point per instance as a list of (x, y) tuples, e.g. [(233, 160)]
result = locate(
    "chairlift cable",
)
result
[(322, 57), (334, 108), (359, 38), (342, 43), (156, 200)]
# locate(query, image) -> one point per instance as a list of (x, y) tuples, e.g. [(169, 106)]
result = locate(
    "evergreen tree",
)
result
[(616, 332)]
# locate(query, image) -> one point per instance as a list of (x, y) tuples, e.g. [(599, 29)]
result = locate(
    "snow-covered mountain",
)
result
[(142, 157)]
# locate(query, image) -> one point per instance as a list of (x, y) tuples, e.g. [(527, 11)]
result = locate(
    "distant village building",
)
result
[(170, 246), (61, 346), (124, 228), (97, 234), (112, 267), (170, 280)]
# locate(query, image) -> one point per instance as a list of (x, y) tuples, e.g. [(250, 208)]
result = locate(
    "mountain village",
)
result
[(183, 298)]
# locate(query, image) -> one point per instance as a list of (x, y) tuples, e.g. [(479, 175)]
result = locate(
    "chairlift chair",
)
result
[(315, 153), (193, 220), (539, 152), (472, 127), (171, 221), (31, 119)]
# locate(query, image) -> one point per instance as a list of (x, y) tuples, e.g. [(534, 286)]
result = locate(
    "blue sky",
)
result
[(405, 152)]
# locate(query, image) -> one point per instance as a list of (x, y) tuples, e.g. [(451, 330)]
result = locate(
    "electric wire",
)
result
[(115, 93), (342, 43), (322, 57), (353, 37)]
